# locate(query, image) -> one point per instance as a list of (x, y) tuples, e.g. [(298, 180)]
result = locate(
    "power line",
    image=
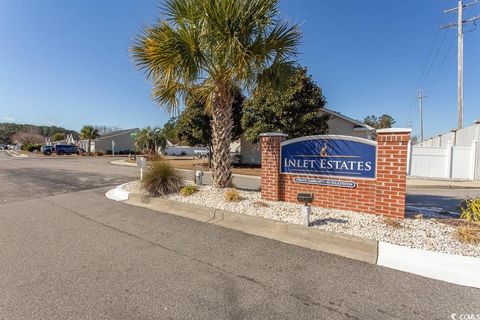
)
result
[(441, 71), (459, 25), (434, 58)]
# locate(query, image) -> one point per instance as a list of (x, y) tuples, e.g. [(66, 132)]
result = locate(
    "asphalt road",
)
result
[(67, 252)]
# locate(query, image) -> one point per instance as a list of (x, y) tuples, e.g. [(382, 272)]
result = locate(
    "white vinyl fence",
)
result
[(449, 162)]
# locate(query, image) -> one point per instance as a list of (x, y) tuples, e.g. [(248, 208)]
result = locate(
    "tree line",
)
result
[(12, 133)]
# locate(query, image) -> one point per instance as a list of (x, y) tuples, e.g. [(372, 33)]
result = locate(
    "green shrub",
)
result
[(99, 153), (160, 178), (188, 190), (33, 147), (471, 210), (232, 195)]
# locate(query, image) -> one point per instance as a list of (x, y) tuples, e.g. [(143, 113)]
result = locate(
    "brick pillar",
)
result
[(270, 146), (391, 185)]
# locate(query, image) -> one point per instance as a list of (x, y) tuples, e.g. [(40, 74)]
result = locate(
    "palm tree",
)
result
[(141, 139), (90, 133), (151, 139), (205, 49), (158, 139)]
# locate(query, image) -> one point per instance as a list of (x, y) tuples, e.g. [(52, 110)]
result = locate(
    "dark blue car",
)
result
[(61, 149)]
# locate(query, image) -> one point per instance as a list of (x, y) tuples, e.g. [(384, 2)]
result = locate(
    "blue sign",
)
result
[(329, 155)]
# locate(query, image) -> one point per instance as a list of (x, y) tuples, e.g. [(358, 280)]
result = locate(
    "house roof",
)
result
[(116, 133), (358, 125)]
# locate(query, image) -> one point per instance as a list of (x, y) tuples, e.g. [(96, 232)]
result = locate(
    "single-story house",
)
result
[(337, 124), (123, 140), (173, 149)]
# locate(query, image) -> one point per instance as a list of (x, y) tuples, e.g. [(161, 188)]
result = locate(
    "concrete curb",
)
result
[(461, 270), (129, 164), (451, 268), (16, 154), (123, 163), (352, 247), (118, 194)]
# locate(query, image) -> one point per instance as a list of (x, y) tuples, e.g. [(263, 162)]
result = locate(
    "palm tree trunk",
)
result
[(222, 124), (89, 146)]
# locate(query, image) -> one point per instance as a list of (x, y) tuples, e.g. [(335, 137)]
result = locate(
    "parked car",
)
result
[(200, 153), (47, 150), (61, 149)]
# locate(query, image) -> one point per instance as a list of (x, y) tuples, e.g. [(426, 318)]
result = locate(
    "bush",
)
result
[(99, 153), (183, 153), (232, 195), (160, 178), (471, 210), (468, 235), (33, 147), (153, 156), (109, 152), (394, 223), (188, 190)]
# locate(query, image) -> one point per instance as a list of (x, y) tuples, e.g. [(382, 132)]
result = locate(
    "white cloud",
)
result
[(9, 119)]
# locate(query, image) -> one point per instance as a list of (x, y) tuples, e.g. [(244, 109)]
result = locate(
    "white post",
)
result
[(473, 159), (448, 171), (409, 158)]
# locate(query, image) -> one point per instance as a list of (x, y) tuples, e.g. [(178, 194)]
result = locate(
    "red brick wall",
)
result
[(384, 195), (270, 146)]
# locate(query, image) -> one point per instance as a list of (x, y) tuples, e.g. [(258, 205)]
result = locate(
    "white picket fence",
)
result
[(449, 162)]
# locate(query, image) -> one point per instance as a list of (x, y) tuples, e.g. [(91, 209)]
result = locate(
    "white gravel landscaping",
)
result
[(428, 234)]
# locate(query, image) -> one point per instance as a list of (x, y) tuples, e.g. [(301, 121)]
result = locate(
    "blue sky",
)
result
[(67, 63)]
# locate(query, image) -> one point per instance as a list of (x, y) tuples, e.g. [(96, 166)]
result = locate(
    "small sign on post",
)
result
[(141, 163), (113, 148)]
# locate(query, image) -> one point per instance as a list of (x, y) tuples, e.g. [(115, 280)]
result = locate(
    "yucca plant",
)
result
[(471, 210), (160, 178), (468, 234), (232, 195), (204, 49)]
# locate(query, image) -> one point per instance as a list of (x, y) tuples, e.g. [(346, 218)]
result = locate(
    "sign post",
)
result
[(113, 148), (141, 164)]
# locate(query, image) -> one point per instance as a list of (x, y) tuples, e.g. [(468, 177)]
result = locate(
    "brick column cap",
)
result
[(273, 134), (394, 130)]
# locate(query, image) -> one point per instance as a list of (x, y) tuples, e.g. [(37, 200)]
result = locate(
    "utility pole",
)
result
[(459, 25), (420, 97)]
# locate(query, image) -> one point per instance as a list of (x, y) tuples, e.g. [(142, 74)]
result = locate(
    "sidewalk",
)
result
[(441, 184)]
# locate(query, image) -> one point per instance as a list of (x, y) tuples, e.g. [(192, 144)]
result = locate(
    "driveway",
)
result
[(67, 252)]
